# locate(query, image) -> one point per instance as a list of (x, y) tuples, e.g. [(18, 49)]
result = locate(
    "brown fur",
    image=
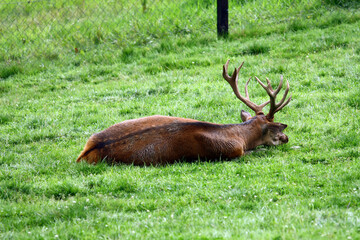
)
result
[(163, 140)]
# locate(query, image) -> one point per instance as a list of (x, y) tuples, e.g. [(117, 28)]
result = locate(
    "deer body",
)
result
[(163, 140), (158, 140)]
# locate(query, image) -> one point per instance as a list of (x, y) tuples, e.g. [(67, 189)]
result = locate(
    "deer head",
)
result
[(271, 131)]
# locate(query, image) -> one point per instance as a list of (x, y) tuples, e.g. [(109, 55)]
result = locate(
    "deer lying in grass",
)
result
[(158, 140)]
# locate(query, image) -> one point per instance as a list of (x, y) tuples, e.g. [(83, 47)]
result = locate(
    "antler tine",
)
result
[(275, 107), (225, 71), (233, 81), (261, 106), (285, 94), (269, 88), (279, 87), (246, 89), (269, 84), (282, 104), (235, 74)]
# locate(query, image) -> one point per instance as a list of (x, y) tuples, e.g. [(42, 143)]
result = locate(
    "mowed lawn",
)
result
[(308, 188)]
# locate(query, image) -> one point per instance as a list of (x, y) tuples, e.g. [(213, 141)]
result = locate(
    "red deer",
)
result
[(158, 140)]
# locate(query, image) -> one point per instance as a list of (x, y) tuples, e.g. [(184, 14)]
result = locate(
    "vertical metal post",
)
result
[(222, 18), (144, 5)]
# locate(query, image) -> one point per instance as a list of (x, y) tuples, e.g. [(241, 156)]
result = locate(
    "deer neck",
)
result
[(251, 133)]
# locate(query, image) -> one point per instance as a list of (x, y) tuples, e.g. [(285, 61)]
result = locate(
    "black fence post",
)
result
[(222, 18)]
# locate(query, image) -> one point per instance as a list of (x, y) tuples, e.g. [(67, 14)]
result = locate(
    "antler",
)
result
[(275, 107), (233, 81)]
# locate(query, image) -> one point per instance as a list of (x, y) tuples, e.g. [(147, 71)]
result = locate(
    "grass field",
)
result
[(307, 189)]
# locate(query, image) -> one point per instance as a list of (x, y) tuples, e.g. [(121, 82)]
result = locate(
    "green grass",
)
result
[(53, 99)]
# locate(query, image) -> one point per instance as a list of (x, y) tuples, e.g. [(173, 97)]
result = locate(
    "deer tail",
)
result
[(89, 146)]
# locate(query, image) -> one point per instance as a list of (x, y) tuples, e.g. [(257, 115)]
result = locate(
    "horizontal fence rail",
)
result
[(30, 26), (79, 22)]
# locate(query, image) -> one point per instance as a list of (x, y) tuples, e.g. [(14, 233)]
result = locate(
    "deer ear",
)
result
[(277, 127), (245, 116), (282, 126)]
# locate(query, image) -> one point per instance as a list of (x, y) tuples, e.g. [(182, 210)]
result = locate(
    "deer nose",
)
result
[(284, 139)]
